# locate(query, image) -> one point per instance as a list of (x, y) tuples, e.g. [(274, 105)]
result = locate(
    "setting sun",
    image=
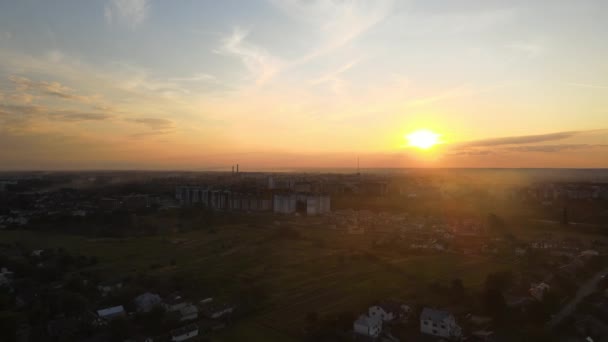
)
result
[(423, 139)]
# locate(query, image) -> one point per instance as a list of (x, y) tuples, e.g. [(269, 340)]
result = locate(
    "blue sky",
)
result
[(195, 84)]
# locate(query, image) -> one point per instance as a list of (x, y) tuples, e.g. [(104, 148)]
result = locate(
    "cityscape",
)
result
[(303, 170)]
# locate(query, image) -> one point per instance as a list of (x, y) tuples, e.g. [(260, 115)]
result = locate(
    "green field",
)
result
[(316, 270)]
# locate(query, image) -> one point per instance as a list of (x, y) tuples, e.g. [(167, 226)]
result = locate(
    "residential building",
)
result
[(284, 203), (174, 302), (368, 326), (389, 311), (538, 291), (6, 277), (215, 310), (188, 313), (184, 333), (111, 313), (439, 323)]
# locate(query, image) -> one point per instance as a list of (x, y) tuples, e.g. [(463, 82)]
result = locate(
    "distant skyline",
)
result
[(145, 84)]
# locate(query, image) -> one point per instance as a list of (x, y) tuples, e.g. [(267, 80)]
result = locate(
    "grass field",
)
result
[(316, 270)]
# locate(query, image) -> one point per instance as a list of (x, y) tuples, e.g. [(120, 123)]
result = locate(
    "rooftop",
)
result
[(434, 315), (111, 311), (184, 330)]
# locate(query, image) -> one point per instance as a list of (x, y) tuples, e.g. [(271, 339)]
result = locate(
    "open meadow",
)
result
[(295, 270)]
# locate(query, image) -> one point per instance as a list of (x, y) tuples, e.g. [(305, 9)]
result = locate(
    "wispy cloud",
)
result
[(334, 25), (523, 139), (149, 134), (23, 85), (154, 123), (71, 115), (334, 79), (130, 12), (262, 65), (552, 148), (156, 126), (470, 152), (540, 143), (23, 113), (337, 22), (21, 97), (333, 75), (200, 77)]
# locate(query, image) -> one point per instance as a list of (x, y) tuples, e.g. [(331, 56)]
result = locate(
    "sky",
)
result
[(194, 84)]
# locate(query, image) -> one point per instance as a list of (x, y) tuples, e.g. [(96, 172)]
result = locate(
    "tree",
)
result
[(73, 304), (153, 320), (495, 222), (499, 281), (312, 320), (494, 303), (119, 329), (8, 325), (457, 288), (493, 300)]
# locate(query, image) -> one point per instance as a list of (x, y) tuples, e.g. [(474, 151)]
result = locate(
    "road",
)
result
[(586, 289)]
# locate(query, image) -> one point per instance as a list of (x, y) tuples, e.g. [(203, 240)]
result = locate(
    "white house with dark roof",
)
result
[(174, 302), (188, 313), (439, 323), (368, 326), (214, 310), (184, 333), (389, 311), (111, 313)]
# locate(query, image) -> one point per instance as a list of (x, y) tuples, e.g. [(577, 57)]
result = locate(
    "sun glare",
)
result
[(423, 139)]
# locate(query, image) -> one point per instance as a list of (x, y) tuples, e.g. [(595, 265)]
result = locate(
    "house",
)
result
[(542, 244), (482, 336), (479, 321), (356, 229), (439, 323), (215, 310), (368, 326), (37, 252), (174, 302), (111, 313), (389, 311), (147, 301), (108, 287), (520, 251), (589, 253), (188, 313), (538, 291), (6, 277), (518, 304), (184, 333)]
